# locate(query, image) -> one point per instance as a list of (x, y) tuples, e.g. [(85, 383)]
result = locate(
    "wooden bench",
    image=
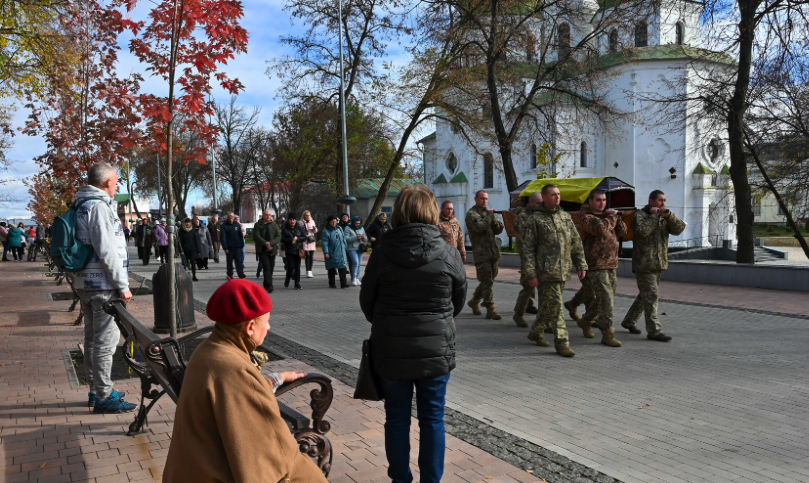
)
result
[(160, 365)]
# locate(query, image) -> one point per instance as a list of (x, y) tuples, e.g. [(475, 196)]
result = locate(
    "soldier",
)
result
[(652, 226), (525, 300), (483, 226), (551, 241), (600, 231), (215, 228), (451, 229)]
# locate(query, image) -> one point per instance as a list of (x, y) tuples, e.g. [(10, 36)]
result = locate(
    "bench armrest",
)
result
[(194, 335), (321, 398)]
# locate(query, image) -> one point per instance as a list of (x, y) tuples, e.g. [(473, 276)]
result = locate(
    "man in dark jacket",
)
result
[(378, 228), (233, 244), (145, 241), (267, 236), (216, 236)]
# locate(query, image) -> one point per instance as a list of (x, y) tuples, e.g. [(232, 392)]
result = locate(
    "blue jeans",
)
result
[(430, 397), (355, 257)]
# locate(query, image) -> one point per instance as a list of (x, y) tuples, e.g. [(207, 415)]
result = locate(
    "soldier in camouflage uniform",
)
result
[(600, 231), (551, 241), (451, 229), (652, 226), (584, 295), (483, 226), (525, 300)]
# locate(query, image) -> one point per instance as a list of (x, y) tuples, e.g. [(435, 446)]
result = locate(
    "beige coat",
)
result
[(228, 427)]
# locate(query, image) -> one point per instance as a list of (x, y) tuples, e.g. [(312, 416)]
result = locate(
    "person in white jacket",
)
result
[(105, 277)]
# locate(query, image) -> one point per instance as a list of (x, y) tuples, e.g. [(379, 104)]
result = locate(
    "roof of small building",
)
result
[(702, 169), (429, 137), (122, 198), (369, 187)]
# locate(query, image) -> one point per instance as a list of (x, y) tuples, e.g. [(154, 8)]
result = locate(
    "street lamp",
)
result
[(346, 199)]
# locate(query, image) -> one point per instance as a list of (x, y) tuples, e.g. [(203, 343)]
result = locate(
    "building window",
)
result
[(756, 203), (613, 41), (679, 30), (488, 171), (781, 211), (533, 162), (563, 41), (452, 163), (583, 155), (641, 34)]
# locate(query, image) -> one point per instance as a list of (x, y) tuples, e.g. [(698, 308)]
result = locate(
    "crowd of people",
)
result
[(228, 425), (17, 238)]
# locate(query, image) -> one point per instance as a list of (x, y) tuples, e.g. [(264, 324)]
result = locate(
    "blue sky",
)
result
[(265, 20)]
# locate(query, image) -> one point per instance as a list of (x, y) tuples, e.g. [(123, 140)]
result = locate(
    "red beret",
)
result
[(238, 301)]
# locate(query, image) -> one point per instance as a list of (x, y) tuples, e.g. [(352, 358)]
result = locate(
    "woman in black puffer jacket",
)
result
[(414, 286)]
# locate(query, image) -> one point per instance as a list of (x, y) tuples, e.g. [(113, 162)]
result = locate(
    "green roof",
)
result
[(369, 187), (459, 178), (702, 169), (441, 179), (122, 198), (725, 170)]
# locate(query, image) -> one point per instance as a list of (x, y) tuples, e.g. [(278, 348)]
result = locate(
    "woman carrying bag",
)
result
[(309, 244), (292, 237), (205, 244), (415, 286), (189, 241), (356, 245)]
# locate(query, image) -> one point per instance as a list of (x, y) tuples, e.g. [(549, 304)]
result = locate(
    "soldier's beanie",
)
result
[(237, 301)]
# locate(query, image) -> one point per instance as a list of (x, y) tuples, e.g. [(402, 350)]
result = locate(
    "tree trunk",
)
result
[(737, 110)]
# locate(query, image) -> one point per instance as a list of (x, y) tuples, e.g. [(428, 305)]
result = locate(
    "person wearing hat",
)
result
[(228, 427), (192, 246), (293, 234), (334, 252), (345, 220)]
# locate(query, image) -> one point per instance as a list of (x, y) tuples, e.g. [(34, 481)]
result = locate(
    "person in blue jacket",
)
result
[(356, 245), (334, 252), (233, 244)]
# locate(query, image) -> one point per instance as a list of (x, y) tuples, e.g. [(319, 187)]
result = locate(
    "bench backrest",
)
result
[(161, 355)]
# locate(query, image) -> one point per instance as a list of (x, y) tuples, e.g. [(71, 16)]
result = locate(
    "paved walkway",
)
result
[(47, 434), (724, 401)]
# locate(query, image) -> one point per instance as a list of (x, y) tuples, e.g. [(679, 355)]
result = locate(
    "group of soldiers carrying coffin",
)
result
[(550, 243)]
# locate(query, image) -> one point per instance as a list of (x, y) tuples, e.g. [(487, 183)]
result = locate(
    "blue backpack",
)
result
[(66, 251)]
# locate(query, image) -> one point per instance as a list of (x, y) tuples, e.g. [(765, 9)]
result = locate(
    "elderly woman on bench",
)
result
[(228, 427)]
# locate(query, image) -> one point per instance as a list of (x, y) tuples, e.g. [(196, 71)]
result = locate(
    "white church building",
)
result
[(681, 153)]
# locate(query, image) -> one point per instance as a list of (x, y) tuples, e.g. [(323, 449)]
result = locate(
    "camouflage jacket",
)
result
[(482, 230), (523, 213), (551, 242), (650, 241), (599, 236), (452, 234)]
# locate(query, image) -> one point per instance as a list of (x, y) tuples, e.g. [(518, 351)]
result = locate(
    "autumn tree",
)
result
[(50, 195)]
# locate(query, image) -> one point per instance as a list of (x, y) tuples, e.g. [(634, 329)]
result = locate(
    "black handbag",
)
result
[(369, 386), (310, 239)]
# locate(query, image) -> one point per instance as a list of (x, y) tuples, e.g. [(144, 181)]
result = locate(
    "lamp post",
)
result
[(159, 203), (346, 199)]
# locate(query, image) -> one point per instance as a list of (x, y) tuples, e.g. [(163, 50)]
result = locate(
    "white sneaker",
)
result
[(309, 274), (359, 282), (355, 282)]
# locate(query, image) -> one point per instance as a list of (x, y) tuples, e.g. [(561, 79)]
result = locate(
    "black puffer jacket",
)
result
[(289, 233), (377, 230), (414, 286)]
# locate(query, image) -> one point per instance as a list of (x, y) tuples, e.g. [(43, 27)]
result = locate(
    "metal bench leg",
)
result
[(140, 419)]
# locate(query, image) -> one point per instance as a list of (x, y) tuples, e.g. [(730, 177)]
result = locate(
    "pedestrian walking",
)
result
[(161, 241), (215, 227), (127, 233), (293, 236), (16, 242), (228, 426), (526, 299), (233, 243), (39, 240), (244, 234), (281, 251), (377, 229), (415, 284), (356, 245), (192, 246), (309, 244), (333, 243), (451, 229), (145, 241), (483, 227), (4, 239), (267, 237), (651, 228), (104, 278), (550, 243), (205, 243)]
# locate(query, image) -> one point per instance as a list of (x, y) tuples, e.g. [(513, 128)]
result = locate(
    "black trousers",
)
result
[(343, 277), (235, 255), (294, 268), (310, 259), (266, 262), (163, 253), (145, 253)]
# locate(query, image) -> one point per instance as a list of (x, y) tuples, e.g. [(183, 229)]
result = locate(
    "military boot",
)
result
[(565, 351), (474, 304), (585, 329), (608, 338), (519, 320), (532, 310), (630, 327), (491, 314), (572, 309), (540, 341)]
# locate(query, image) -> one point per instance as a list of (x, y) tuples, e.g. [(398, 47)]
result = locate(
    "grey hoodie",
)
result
[(98, 226)]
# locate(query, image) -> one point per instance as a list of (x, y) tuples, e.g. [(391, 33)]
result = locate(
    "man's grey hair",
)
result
[(99, 174), (535, 196)]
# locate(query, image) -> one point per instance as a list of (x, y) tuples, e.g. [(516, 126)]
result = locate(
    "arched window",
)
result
[(533, 162), (641, 34), (679, 31), (452, 163), (583, 155), (563, 40), (613, 41), (488, 171)]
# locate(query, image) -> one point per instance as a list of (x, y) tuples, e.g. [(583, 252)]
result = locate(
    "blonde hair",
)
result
[(306, 212), (415, 204)]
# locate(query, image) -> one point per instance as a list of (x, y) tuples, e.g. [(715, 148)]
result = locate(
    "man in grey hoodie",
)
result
[(105, 277)]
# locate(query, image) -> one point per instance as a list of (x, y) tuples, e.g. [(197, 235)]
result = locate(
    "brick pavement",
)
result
[(48, 435)]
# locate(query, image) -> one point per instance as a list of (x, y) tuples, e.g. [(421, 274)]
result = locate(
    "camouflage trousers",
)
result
[(645, 303), (550, 314), (601, 287), (486, 273), (526, 297), (584, 296)]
